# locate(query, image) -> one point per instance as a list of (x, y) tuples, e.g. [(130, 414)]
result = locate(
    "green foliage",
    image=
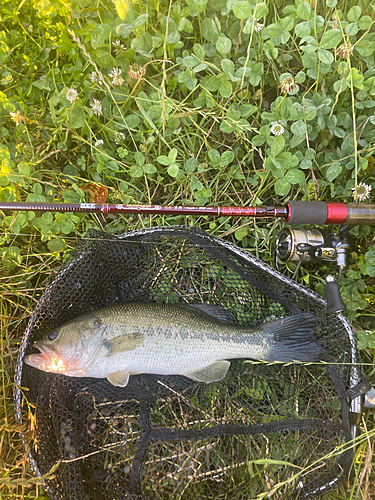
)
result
[(317, 83), (365, 339)]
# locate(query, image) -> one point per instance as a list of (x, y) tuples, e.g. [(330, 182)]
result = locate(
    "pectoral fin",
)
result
[(123, 343), (119, 379), (211, 373)]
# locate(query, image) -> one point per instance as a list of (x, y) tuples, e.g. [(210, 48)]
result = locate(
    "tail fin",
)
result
[(293, 339)]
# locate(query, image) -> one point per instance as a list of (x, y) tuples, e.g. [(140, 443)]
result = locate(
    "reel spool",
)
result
[(295, 244)]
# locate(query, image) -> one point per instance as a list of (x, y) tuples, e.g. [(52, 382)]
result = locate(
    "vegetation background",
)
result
[(204, 102)]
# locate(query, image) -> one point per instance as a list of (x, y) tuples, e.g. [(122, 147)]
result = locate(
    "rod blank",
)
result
[(147, 209), (294, 212)]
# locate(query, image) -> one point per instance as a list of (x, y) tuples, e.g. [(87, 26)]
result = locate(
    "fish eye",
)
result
[(53, 335)]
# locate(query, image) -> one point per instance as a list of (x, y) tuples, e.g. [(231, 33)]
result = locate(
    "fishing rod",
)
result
[(291, 245), (294, 212)]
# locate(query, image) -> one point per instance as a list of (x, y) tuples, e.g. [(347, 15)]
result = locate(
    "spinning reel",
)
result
[(306, 245)]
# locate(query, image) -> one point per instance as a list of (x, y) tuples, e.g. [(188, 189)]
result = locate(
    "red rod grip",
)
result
[(337, 213)]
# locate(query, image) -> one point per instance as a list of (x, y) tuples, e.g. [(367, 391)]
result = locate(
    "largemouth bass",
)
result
[(127, 339)]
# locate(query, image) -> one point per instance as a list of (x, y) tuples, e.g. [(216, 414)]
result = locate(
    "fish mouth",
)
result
[(47, 359)]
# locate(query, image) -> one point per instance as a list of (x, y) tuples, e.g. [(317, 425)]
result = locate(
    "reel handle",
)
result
[(334, 300)]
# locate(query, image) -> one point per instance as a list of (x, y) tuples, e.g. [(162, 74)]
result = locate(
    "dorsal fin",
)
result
[(217, 312)]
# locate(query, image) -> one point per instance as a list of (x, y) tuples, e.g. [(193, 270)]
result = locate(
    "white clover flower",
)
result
[(277, 129), (119, 137), (118, 44), (258, 26), (135, 71), (97, 78), (98, 143), (287, 85), (96, 106), (71, 95), (119, 48), (115, 74), (362, 192)]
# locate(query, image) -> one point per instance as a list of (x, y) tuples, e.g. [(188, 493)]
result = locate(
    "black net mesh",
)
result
[(276, 429)]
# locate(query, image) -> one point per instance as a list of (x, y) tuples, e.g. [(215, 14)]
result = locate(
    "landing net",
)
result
[(272, 429)]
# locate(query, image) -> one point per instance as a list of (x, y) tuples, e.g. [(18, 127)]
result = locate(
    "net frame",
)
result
[(214, 246)]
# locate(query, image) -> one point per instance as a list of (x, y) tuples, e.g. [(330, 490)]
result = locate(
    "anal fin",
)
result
[(119, 378), (211, 373)]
